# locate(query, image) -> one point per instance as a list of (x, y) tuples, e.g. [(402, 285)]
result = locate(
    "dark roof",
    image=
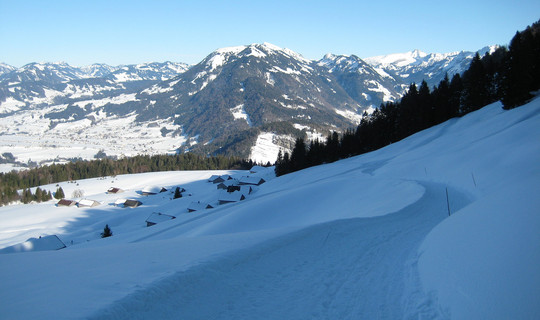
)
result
[(132, 203), (66, 203), (114, 190)]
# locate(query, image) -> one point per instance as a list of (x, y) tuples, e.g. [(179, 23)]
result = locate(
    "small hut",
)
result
[(150, 190), (132, 203), (114, 190), (66, 203), (231, 197), (157, 217), (254, 181), (198, 206), (87, 203)]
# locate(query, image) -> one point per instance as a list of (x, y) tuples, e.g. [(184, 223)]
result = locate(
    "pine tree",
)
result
[(106, 232), (38, 196), (59, 193), (177, 193), (46, 196)]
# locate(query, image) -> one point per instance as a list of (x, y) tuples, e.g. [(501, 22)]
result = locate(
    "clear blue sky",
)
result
[(125, 32)]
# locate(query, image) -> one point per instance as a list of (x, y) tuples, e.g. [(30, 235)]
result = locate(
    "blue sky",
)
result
[(125, 32)]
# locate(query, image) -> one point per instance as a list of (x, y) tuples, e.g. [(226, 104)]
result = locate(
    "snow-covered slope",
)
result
[(366, 237)]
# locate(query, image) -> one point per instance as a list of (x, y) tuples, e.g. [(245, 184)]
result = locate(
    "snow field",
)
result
[(363, 238)]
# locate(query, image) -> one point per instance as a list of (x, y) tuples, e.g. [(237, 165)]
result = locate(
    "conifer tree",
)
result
[(177, 193), (106, 232), (59, 193), (38, 196)]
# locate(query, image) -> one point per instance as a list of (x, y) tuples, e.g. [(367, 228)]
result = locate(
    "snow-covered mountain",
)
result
[(416, 66), (458, 240), (233, 102)]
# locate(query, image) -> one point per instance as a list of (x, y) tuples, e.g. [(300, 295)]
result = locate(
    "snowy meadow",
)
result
[(441, 225)]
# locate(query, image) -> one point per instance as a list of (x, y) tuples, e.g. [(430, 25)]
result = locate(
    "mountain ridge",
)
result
[(219, 106)]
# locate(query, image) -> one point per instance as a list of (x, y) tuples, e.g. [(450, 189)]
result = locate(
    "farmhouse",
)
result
[(231, 197), (66, 203), (157, 217), (51, 242), (197, 206), (213, 177), (87, 203)]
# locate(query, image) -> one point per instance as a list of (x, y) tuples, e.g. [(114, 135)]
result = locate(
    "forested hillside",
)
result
[(509, 74)]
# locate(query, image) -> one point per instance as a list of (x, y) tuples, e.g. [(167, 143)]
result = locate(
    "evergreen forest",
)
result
[(13, 181)]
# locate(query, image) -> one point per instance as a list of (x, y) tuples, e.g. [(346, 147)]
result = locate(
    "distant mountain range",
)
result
[(222, 105)]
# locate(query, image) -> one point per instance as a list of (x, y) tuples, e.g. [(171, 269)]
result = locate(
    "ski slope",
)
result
[(368, 237)]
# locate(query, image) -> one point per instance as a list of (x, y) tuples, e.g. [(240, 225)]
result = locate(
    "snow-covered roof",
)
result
[(197, 206), (226, 183), (252, 180), (256, 169), (120, 201), (231, 197), (51, 242), (88, 203), (153, 189), (157, 217)]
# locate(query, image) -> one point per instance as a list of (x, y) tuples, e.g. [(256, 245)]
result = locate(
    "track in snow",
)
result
[(361, 268)]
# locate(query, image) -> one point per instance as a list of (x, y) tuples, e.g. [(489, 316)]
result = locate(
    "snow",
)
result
[(363, 238), (288, 71), (10, 104), (351, 115), (239, 112), (265, 149)]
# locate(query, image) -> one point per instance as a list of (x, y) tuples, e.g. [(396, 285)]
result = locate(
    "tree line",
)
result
[(511, 75), (13, 181)]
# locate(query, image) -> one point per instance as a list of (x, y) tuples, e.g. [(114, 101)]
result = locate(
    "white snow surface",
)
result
[(265, 148), (368, 237)]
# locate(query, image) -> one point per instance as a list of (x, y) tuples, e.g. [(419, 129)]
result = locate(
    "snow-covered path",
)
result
[(344, 269)]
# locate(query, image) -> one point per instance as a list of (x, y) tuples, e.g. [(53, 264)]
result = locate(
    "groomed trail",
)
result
[(361, 268)]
